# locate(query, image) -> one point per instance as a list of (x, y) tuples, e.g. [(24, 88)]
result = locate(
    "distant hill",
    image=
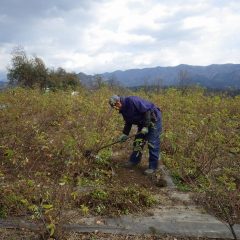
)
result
[(3, 84), (219, 76), (86, 79)]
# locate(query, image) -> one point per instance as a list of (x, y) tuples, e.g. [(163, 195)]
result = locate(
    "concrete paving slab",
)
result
[(185, 221), (180, 221)]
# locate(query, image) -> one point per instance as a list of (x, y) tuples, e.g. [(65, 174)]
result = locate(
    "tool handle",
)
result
[(118, 141)]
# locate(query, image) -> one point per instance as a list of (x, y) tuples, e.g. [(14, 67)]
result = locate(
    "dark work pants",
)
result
[(153, 139)]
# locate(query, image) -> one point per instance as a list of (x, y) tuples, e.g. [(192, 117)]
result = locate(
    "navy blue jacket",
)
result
[(137, 111)]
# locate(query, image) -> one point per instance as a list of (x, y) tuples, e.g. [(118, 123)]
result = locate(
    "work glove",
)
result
[(123, 138), (144, 130)]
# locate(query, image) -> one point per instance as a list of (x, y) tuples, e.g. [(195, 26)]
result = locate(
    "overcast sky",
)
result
[(96, 36)]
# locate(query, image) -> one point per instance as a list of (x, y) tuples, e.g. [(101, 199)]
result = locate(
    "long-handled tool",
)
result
[(91, 153)]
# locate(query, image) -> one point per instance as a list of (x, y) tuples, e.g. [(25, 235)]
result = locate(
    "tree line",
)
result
[(32, 72)]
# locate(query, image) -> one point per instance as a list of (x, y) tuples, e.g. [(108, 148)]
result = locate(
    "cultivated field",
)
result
[(44, 171)]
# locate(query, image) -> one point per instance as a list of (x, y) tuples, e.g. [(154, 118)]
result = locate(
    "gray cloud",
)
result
[(106, 35), (23, 20), (33, 8)]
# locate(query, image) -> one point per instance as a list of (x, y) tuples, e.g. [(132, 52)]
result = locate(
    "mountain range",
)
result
[(216, 76)]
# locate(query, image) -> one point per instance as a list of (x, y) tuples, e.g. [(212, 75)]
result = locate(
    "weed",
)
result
[(84, 209), (3, 211), (178, 181), (100, 209), (99, 194)]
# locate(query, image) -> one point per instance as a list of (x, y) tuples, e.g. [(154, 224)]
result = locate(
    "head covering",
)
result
[(113, 99)]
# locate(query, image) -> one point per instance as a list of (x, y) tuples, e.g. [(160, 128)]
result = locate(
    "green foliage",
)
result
[(32, 72), (100, 209), (84, 209), (104, 156), (181, 185), (99, 194), (122, 200), (139, 196), (27, 71), (9, 153), (3, 212), (60, 79)]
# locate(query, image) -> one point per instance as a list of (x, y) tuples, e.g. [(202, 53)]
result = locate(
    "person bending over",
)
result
[(148, 118)]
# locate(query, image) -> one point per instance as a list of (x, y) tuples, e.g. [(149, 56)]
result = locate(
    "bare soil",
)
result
[(24, 234), (129, 177)]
